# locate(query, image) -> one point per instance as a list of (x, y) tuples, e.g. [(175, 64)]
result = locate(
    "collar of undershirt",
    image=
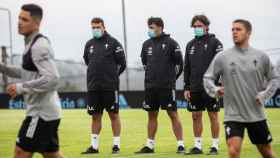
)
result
[(242, 50)]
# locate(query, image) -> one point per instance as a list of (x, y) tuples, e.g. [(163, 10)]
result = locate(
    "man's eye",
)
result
[(24, 19), (236, 29)]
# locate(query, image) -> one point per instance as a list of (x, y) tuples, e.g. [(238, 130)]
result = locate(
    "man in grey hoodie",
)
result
[(244, 71), (39, 75)]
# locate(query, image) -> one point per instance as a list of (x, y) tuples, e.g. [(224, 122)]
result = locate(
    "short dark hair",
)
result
[(34, 10), (97, 20), (245, 23), (202, 18), (157, 21)]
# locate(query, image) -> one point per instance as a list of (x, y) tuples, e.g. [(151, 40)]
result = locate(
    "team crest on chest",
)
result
[(255, 62), (233, 68), (205, 46), (106, 45), (163, 46)]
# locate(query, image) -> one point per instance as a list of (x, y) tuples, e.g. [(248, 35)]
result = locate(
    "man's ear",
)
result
[(160, 29), (249, 33), (207, 28), (37, 20)]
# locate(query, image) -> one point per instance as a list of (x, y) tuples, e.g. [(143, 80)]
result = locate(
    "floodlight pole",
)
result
[(125, 43)]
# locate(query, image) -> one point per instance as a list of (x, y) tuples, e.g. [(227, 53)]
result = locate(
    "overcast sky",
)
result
[(67, 23)]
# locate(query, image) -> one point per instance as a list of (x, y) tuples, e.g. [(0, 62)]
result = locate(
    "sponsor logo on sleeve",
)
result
[(192, 50), (219, 48), (150, 51), (119, 49)]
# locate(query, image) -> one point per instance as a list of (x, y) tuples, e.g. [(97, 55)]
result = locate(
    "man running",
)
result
[(39, 75), (245, 71)]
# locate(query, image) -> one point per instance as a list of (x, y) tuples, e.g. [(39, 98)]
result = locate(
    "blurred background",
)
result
[(67, 25)]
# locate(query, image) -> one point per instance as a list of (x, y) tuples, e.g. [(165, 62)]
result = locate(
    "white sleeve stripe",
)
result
[(173, 95), (32, 127), (116, 97), (178, 50), (177, 69), (119, 50)]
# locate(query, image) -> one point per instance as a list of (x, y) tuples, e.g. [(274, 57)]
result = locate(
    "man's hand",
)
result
[(221, 91), (12, 90), (259, 99), (187, 95)]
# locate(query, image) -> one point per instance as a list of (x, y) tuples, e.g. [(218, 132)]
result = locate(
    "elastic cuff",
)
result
[(216, 89), (262, 97), (213, 91), (19, 88)]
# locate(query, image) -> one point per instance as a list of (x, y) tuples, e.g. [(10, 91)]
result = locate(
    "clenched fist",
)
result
[(12, 90)]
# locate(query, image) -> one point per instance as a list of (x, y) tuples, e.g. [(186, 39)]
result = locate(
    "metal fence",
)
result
[(73, 76)]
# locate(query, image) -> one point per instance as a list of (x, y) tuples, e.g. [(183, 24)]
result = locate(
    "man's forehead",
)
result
[(96, 24), (236, 24), (25, 14), (153, 25), (198, 22)]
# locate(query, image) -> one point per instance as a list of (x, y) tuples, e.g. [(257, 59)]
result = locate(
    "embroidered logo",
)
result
[(255, 62), (219, 48), (163, 46), (233, 68), (205, 46), (106, 45), (119, 49)]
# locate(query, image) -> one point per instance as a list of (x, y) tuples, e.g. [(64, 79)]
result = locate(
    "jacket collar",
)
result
[(104, 36), (161, 36), (205, 37)]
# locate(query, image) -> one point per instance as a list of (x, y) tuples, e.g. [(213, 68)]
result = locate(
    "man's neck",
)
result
[(242, 45), (159, 35), (28, 38)]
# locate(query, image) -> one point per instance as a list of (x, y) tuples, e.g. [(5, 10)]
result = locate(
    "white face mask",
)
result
[(199, 31), (97, 33), (152, 33)]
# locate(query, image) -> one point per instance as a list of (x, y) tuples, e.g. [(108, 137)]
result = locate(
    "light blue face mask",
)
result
[(152, 33), (97, 33), (198, 31)]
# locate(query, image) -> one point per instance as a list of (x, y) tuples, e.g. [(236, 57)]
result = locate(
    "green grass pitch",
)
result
[(75, 134)]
